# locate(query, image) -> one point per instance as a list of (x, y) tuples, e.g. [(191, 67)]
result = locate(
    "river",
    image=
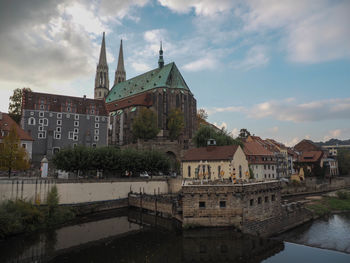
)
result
[(129, 236)]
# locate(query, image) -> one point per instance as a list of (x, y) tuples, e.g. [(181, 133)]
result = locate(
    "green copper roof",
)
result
[(168, 77)]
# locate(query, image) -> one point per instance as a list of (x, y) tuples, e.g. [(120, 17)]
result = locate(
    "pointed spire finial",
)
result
[(161, 60), (103, 58), (120, 74)]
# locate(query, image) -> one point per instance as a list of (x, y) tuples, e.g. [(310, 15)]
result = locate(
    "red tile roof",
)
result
[(6, 123), (59, 103), (211, 153), (310, 156), (254, 148)]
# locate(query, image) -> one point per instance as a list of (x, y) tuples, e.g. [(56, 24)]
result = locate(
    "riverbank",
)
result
[(331, 203)]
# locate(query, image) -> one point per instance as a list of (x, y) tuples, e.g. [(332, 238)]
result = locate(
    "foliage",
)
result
[(329, 204), (205, 132), (202, 117), (145, 125), (344, 161), (15, 105), (22, 216), (175, 123), (343, 195), (12, 155), (110, 160), (243, 134)]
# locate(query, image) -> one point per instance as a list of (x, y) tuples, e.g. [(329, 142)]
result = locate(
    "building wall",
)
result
[(68, 122), (225, 205), (264, 171), (80, 191), (227, 167)]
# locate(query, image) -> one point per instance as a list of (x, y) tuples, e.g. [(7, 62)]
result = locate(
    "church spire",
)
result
[(160, 60), (101, 78), (120, 74)]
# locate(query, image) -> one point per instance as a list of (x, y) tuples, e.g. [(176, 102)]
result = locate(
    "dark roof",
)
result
[(6, 123), (306, 145), (254, 148), (59, 103), (310, 156), (166, 77), (211, 153)]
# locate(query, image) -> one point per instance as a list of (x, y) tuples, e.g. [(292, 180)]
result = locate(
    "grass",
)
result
[(331, 204), (22, 216)]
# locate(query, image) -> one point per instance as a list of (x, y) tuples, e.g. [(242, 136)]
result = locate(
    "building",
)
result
[(261, 161), (56, 121), (162, 90), (215, 162), (6, 124)]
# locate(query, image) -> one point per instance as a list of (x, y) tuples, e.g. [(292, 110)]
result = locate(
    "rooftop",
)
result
[(6, 123), (211, 153)]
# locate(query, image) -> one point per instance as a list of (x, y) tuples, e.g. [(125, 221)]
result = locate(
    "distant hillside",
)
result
[(333, 142)]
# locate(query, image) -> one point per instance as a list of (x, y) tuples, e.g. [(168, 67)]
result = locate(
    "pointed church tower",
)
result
[(161, 60), (102, 79), (120, 74)]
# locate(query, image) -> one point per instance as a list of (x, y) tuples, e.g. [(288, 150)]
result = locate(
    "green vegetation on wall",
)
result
[(145, 125)]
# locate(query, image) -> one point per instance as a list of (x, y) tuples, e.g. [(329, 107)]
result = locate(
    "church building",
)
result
[(161, 90)]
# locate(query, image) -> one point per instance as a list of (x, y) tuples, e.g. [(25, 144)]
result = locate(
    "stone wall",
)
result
[(79, 191), (230, 204)]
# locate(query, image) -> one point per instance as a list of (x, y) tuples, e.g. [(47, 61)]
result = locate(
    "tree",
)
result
[(243, 134), (344, 161), (206, 132), (12, 155), (15, 105), (202, 117), (145, 125), (175, 123)]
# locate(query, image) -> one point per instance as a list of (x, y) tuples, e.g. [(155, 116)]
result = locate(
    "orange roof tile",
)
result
[(211, 153), (254, 148), (6, 123)]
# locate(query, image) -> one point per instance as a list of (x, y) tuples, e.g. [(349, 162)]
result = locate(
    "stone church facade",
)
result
[(161, 90)]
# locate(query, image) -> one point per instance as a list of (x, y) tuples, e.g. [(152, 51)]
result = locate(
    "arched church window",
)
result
[(240, 171), (31, 121)]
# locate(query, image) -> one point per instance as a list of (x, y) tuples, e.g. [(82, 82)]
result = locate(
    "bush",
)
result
[(343, 195)]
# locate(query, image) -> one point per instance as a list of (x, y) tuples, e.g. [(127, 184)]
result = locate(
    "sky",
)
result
[(281, 69)]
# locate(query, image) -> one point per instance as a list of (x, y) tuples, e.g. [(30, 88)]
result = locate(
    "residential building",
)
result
[(215, 162), (56, 121), (261, 161), (6, 124)]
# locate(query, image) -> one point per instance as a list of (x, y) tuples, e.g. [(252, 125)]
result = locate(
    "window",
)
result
[(272, 167), (58, 129), (55, 150), (45, 122), (59, 115), (222, 204), (24, 145), (75, 137), (268, 167), (41, 121), (94, 145), (70, 135), (97, 125), (96, 138), (240, 171), (41, 107), (68, 109), (75, 145), (201, 204), (97, 118), (88, 117), (189, 171), (92, 111), (273, 198), (103, 119), (76, 123), (76, 116), (57, 136), (97, 132), (32, 113), (259, 200), (42, 135), (266, 199), (40, 128), (219, 171), (68, 116), (41, 114), (251, 202), (264, 175), (76, 130), (31, 121), (264, 166)]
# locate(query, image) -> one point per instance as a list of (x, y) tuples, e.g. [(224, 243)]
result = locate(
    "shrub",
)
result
[(343, 195)]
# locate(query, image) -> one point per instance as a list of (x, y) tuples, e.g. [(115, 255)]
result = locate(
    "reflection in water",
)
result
[(136, 237), (331, 233)]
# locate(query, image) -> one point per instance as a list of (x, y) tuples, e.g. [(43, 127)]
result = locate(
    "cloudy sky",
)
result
[(281, 69)]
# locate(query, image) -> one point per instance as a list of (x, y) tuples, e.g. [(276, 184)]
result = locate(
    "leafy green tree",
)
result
[(176, 123), (202, 117), (15, 105), (206, 132), (12, 155), (243, 134), (344, 161), (145, 125)]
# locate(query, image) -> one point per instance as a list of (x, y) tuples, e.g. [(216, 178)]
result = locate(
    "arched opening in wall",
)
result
[(174, 162)]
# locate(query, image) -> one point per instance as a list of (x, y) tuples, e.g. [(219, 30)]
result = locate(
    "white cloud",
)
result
[(234, 132), (140, 67), (201, 64), (292, 142), (214, 110), (223, 125), (313, 111), (337, 134), (255, 57)]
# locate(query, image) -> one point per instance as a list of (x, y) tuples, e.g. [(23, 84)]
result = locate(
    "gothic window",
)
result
[(240, 171), (119, 80), (189, 171)]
